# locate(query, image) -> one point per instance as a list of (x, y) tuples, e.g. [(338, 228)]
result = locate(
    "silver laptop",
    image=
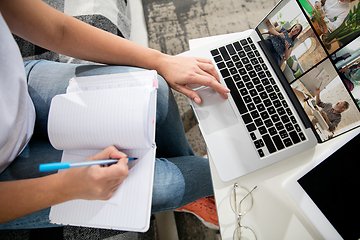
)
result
[(272, 112)]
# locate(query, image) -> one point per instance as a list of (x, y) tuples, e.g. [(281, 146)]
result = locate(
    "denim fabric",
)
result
[(180, 177)]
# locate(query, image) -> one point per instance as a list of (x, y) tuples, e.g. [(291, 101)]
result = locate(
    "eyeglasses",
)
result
[(241, 202)]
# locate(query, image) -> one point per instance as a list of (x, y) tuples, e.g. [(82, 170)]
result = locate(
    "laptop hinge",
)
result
[(299, 109)]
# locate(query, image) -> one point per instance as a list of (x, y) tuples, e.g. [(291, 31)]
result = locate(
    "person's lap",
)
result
[(180, 177)]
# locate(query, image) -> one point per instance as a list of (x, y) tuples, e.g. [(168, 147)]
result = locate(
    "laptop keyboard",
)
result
[(263, 108)]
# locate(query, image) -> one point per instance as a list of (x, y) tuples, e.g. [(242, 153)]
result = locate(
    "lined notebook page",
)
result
[(98, 119), (129, 209)]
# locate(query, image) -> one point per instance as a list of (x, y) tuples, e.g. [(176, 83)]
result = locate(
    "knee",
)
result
[(169, 186)]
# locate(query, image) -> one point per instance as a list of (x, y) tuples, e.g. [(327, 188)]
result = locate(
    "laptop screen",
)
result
[(318, 51)]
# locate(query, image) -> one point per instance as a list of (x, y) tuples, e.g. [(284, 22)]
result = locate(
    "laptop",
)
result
[(272, 112)]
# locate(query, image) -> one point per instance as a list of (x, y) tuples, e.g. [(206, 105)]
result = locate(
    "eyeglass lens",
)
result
[(244, 233), (241, 202)]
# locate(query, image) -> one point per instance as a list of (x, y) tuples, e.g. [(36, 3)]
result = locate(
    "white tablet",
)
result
[(327, 189)]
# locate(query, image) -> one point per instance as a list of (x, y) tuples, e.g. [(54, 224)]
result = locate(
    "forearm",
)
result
[(107, 48), (64, 34), (274, 31), (288, 53), (44, 26), (19, 198)]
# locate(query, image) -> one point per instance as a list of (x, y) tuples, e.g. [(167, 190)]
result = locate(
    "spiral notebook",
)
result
[(96, 112)]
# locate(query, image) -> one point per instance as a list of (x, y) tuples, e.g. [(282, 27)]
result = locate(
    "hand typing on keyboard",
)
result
[(181, 71)]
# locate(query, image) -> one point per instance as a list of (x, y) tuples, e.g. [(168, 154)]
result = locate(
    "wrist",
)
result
[(161, 62), (62, 187)]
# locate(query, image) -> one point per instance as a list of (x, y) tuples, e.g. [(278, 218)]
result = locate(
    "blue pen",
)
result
[(65, 165)]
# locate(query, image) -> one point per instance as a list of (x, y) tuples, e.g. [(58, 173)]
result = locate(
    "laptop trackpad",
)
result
[(214, 113)]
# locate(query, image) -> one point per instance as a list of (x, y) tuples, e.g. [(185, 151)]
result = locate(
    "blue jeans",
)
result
[(180, 176)]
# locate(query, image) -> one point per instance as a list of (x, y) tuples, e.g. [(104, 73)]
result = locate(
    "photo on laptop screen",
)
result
[(320, 59)]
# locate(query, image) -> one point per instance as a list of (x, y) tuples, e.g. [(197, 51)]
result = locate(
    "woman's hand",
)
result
[(179, 71), (287, 45), (95, 182), (288, 50)]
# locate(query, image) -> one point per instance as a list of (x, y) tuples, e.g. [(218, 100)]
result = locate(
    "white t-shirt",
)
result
[(335, 12), (17, 112)]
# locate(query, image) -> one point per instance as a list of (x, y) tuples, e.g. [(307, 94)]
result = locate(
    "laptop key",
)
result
[(253, 136), (258, 122), (256, 80), (275, 118), (302, 136), (264, 115), (262, 130), (236, 77), (283, 134), (272, 131), (221, 65), (214, 52), (285, 119), (243, 42), (233, 71), (251, 127), (261, 153), (273, 96), (294, 137), (253, 92), (218, 58), (240, 84), (251, 106), (242, 54), (255, 114), (271, 110), (238, 65), (224, 53), (279, 126), (247, 118), (235, 58), (231, 49), (247, 99), (229, 64), (268, 123), (236, 96), (225, 73), (287, 142), (269, 143), (237, 46), (279, 144), (247, 48), (243, 91), (289, 127), (259, 143)]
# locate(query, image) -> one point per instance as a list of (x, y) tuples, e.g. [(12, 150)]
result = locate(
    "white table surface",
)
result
[(274, 214)]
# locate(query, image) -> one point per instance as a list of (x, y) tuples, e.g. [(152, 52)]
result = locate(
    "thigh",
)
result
[(170, 135)]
